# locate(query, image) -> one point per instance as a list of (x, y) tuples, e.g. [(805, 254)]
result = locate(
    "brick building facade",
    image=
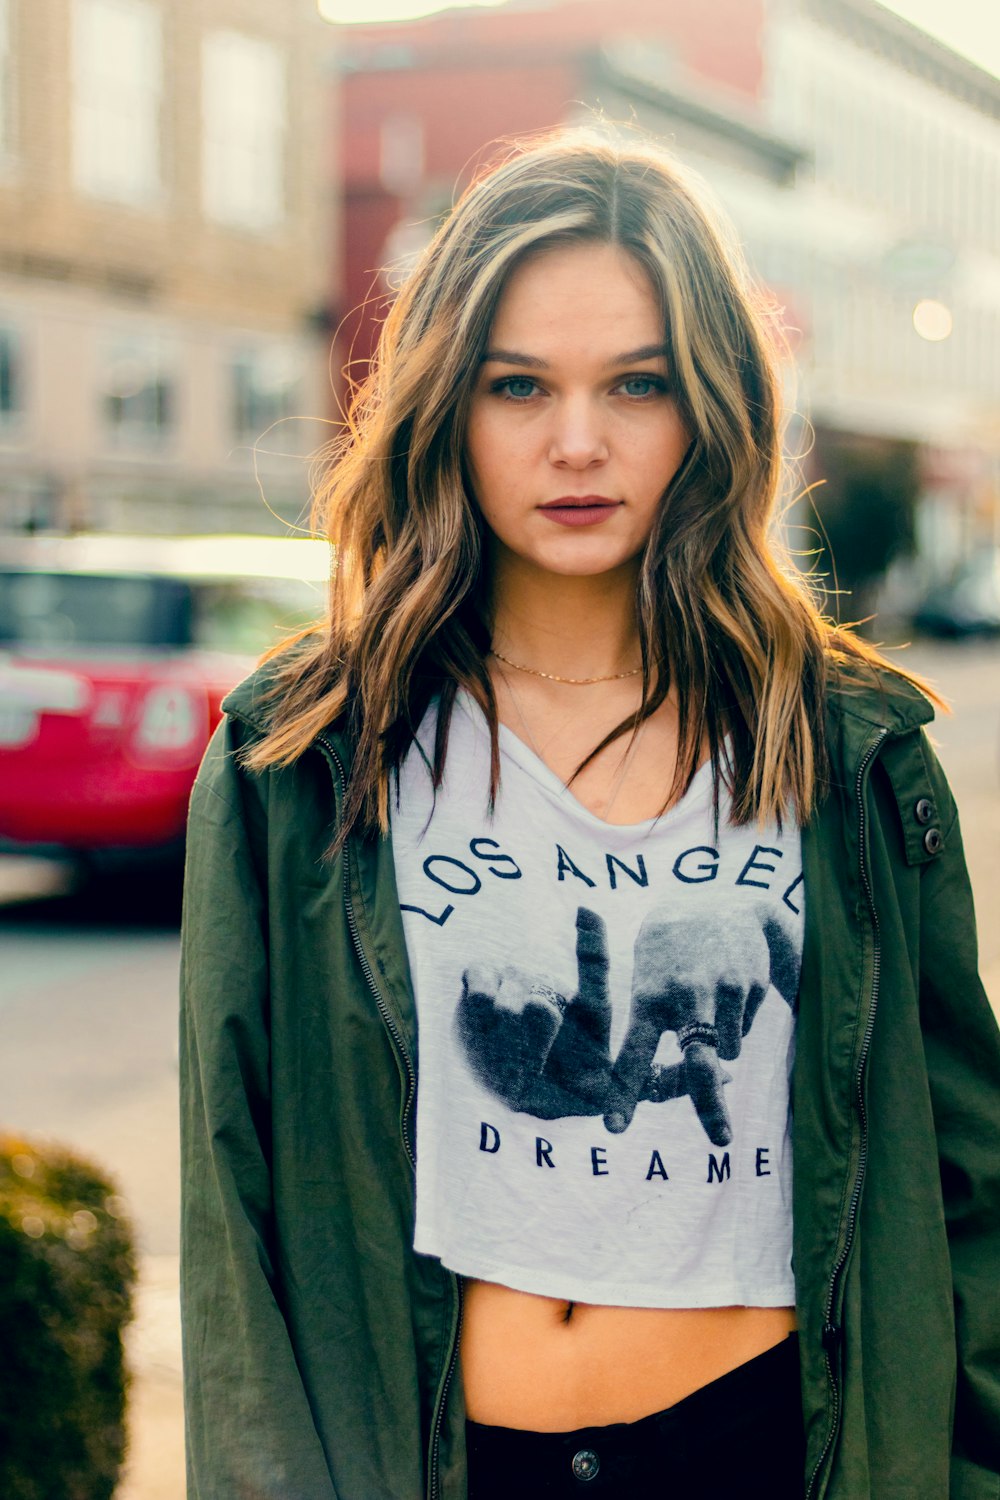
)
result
[(165, 259)]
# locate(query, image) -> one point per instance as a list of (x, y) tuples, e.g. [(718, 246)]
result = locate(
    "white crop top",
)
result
[(605, 1022)]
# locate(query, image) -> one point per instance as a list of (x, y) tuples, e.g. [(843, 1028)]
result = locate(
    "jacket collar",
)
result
[(251, 700), (248, 702), (878, 699)]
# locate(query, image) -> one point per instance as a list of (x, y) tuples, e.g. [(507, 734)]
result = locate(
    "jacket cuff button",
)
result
[(933, 840), (924, 810)]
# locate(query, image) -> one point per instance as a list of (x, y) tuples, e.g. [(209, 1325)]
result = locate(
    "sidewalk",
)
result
[(155, 1464)]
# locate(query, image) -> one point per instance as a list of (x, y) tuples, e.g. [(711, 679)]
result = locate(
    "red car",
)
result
[(115, 653)]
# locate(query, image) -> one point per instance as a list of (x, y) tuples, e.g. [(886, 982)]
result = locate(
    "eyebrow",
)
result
[(531, 362)]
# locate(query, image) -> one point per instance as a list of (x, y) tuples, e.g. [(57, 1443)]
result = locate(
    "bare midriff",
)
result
[(547, 1365)]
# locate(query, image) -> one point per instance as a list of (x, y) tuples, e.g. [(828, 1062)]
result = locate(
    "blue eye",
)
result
[(516, 387), (649, 385)]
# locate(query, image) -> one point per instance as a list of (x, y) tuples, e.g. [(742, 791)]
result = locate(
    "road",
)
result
[(88, 1043)]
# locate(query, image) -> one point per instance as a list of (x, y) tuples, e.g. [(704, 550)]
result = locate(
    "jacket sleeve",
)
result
[(962, 1046), (249, 1430)]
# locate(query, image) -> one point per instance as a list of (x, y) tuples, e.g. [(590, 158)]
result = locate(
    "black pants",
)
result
[(740, 1436)]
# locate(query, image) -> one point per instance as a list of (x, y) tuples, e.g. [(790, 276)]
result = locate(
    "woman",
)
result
[(575, 783)]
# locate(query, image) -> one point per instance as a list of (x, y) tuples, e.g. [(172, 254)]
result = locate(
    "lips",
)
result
[(580, 510)]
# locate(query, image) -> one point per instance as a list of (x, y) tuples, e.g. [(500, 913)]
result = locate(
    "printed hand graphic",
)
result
[(706, 982), (539, 1051)]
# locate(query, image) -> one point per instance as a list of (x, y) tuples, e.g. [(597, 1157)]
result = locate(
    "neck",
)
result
[(567, 625)]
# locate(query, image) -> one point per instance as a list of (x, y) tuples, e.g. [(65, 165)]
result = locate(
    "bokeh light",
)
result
[(932, 320)]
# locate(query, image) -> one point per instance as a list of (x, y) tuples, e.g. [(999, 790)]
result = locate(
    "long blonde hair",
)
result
[(721, 612)]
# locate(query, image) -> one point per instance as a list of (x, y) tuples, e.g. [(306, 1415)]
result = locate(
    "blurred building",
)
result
[(165, 260), (859, 158), (423, 104), (892, 252)]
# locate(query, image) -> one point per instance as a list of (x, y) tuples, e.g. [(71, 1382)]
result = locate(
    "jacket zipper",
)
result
[(411, 1085), (831, 1333), (383, 1009), (434, 1486)]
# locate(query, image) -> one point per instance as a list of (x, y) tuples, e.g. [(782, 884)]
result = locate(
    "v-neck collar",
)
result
[(522, 755)]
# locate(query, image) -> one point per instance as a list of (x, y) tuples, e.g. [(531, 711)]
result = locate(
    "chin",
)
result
[(590, 560)]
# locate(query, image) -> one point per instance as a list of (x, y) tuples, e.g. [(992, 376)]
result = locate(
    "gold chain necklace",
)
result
[(551, 676)]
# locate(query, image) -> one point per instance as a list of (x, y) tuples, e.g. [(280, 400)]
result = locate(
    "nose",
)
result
[(578, 438)]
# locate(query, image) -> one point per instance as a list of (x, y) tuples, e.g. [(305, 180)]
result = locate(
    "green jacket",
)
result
[(320, 1351)]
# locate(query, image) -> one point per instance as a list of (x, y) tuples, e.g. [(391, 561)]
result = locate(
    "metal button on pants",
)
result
[(586, 1464)]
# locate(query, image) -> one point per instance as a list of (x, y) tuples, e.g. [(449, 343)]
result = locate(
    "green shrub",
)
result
[(67, 1270)]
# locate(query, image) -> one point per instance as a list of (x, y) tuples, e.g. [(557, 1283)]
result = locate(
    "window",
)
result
[(244, 124), (6, 82), (10, 377), (250, 615), (243, 616), (48, 608), (138, 390), (117, 84), (265, 388)]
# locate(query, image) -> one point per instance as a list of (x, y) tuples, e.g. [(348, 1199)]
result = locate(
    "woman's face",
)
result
[(573, 431)]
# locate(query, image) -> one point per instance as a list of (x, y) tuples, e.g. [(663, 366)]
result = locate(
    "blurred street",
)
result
[(88, 1018), (88, 1053), (968, 743)]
